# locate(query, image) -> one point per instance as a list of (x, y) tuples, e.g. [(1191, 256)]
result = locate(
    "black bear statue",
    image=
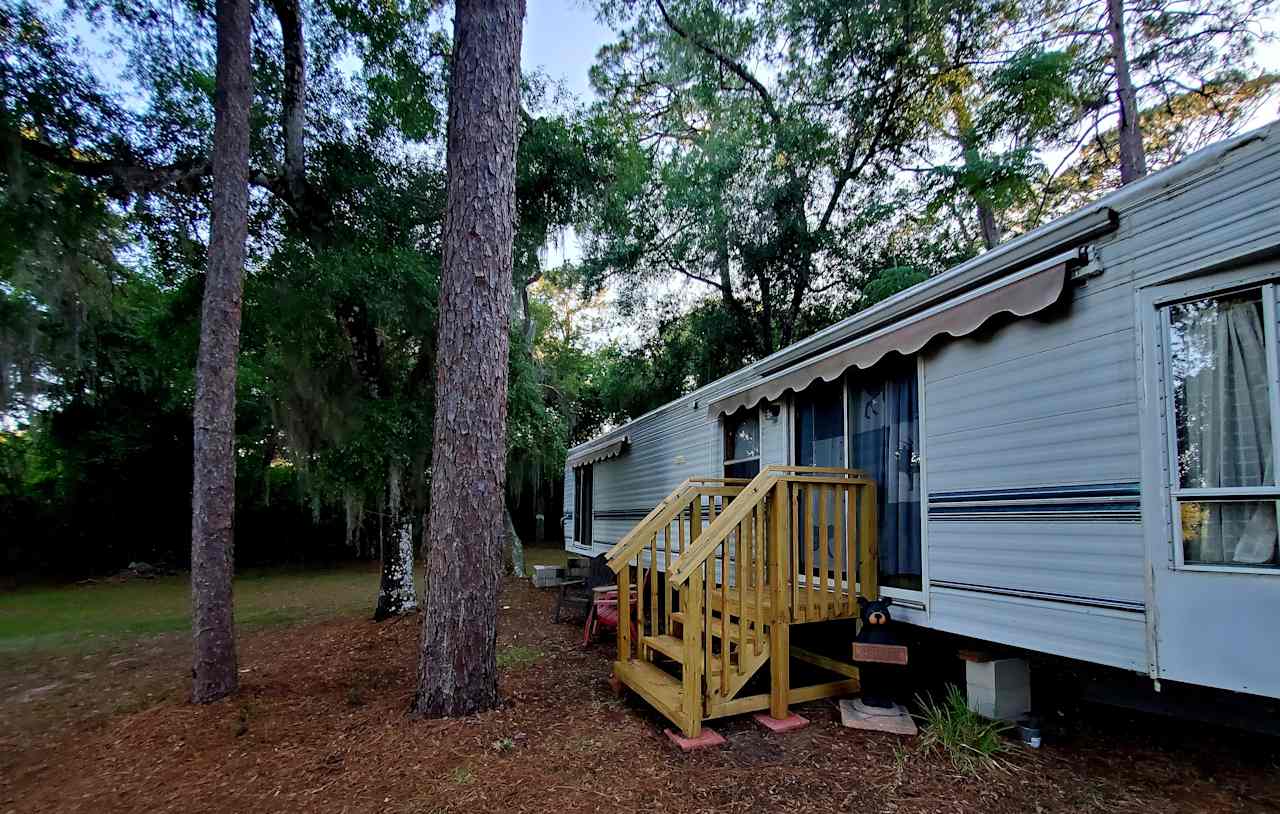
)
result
[(877, 674)]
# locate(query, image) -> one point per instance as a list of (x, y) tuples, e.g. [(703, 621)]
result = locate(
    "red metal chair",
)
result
[(603, 614)]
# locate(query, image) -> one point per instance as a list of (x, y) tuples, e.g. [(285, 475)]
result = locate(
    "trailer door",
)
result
[(1211, 495)]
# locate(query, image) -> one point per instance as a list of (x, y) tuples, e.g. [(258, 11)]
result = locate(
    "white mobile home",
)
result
[(1072, 436)]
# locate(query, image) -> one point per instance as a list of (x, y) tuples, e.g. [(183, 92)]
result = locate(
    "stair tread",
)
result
[(717, 627), (667, 645), (717, 599), (656, 680)]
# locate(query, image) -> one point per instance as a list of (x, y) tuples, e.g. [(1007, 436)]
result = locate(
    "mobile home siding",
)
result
[(1031, 430), (1052, 401), (675, 442), (1098, 635), (1040, 404)]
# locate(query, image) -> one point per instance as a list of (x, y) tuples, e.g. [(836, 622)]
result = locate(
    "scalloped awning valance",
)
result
[(591, 456), (1020, 294)]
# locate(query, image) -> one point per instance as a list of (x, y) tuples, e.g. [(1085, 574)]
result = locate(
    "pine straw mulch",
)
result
[(321, 726)]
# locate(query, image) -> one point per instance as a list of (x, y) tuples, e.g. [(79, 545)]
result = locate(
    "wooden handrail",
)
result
[(757, 491), (637, 531), (706, 544), (634, 541)]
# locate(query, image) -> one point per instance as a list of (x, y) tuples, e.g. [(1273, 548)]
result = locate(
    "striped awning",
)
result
[(1020, 294), (600, 453)]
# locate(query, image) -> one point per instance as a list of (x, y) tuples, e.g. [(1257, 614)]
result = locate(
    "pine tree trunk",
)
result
[(1133, 157), (396, 594), (214, 671), (457, 672)]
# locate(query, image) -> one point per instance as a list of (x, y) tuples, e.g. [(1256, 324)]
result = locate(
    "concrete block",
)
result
[(997, 673), (545, 576), (999, 689)]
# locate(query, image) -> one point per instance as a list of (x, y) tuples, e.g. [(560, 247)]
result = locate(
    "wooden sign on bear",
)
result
[(880, 653)]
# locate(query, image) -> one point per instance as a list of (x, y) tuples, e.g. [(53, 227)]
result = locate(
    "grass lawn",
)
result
[(85, 616), (105, 614)]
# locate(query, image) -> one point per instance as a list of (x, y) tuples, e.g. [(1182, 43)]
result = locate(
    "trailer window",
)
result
[(820, 425), (742, 445), (583, 504), (1222, 386)]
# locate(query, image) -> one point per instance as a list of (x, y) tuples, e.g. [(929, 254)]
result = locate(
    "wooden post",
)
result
[(624, 613), (653, 585), (760, 536), (851, 547), (695, 520), (810, 551), (724, 615), (793, 546), (781, 568), (838, 536), (691, 605), (868, 544), (743, 597), (780, 630), (666, 565), (823, 563), (779, 669)]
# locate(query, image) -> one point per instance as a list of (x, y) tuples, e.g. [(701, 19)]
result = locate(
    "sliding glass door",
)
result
[(884, 442), (870, 420)]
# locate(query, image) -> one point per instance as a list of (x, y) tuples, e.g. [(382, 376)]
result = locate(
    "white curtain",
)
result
[(1219, 348)]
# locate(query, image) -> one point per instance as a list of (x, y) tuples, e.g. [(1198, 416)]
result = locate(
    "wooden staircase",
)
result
[(743, 562)]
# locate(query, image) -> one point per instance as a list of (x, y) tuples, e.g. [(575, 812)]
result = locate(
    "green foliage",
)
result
[(892, 280), (768, 134), (755, 171), (971, 742), (1172, 130)]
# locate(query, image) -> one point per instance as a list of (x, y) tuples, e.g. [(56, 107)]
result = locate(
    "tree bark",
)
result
[(990, 227), (457, 671), (214, 671), (1133, 157), (293, 98), (395, 593)]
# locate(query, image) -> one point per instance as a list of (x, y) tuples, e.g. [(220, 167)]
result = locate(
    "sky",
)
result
[(561, 38)]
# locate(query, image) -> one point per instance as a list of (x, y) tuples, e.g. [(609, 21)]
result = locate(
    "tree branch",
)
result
[(127, 176), (294, 98), (732, 65)]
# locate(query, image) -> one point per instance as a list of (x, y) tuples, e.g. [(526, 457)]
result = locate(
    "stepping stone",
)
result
[(787, 724), (856, 715), (707, 739)]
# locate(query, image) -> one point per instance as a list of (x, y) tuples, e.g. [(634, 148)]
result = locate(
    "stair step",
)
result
[(656, 685), (669, 646), (717, 601), (717, 628)]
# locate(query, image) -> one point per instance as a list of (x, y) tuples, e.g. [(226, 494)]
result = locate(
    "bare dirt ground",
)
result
[(321, 726)]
